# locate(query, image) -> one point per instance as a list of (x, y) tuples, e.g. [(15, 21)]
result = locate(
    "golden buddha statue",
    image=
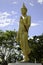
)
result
[(22, 35)]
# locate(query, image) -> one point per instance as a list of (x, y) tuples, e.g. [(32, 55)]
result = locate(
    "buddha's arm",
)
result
[(28, 22)]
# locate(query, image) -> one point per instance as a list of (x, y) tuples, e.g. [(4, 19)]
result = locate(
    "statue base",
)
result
[(24, 63)]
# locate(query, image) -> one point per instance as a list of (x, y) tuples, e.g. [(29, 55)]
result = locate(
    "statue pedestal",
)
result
[(24, 63)]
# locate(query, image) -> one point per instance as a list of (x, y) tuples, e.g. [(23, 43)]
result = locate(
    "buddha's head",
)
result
[(23, 10)]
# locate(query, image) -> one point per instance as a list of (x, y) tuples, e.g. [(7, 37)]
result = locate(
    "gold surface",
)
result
[(22, 35)]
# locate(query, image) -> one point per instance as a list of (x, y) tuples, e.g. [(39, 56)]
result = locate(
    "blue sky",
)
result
[(10, 15)]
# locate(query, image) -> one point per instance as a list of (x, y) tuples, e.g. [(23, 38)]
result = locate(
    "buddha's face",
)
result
[(23, 11)]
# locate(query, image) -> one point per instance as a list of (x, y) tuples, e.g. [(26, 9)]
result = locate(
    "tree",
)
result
[(36, 45), (8, 45)]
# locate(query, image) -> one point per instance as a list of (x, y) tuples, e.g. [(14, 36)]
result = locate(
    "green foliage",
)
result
[(8, 43), (36, 44)]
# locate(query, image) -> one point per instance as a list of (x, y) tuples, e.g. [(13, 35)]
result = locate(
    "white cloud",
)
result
[(40, 1), (14, 2), (31, 4), (4, 24), (4, 20), (34, 24), (13, 12), (4, 14)]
